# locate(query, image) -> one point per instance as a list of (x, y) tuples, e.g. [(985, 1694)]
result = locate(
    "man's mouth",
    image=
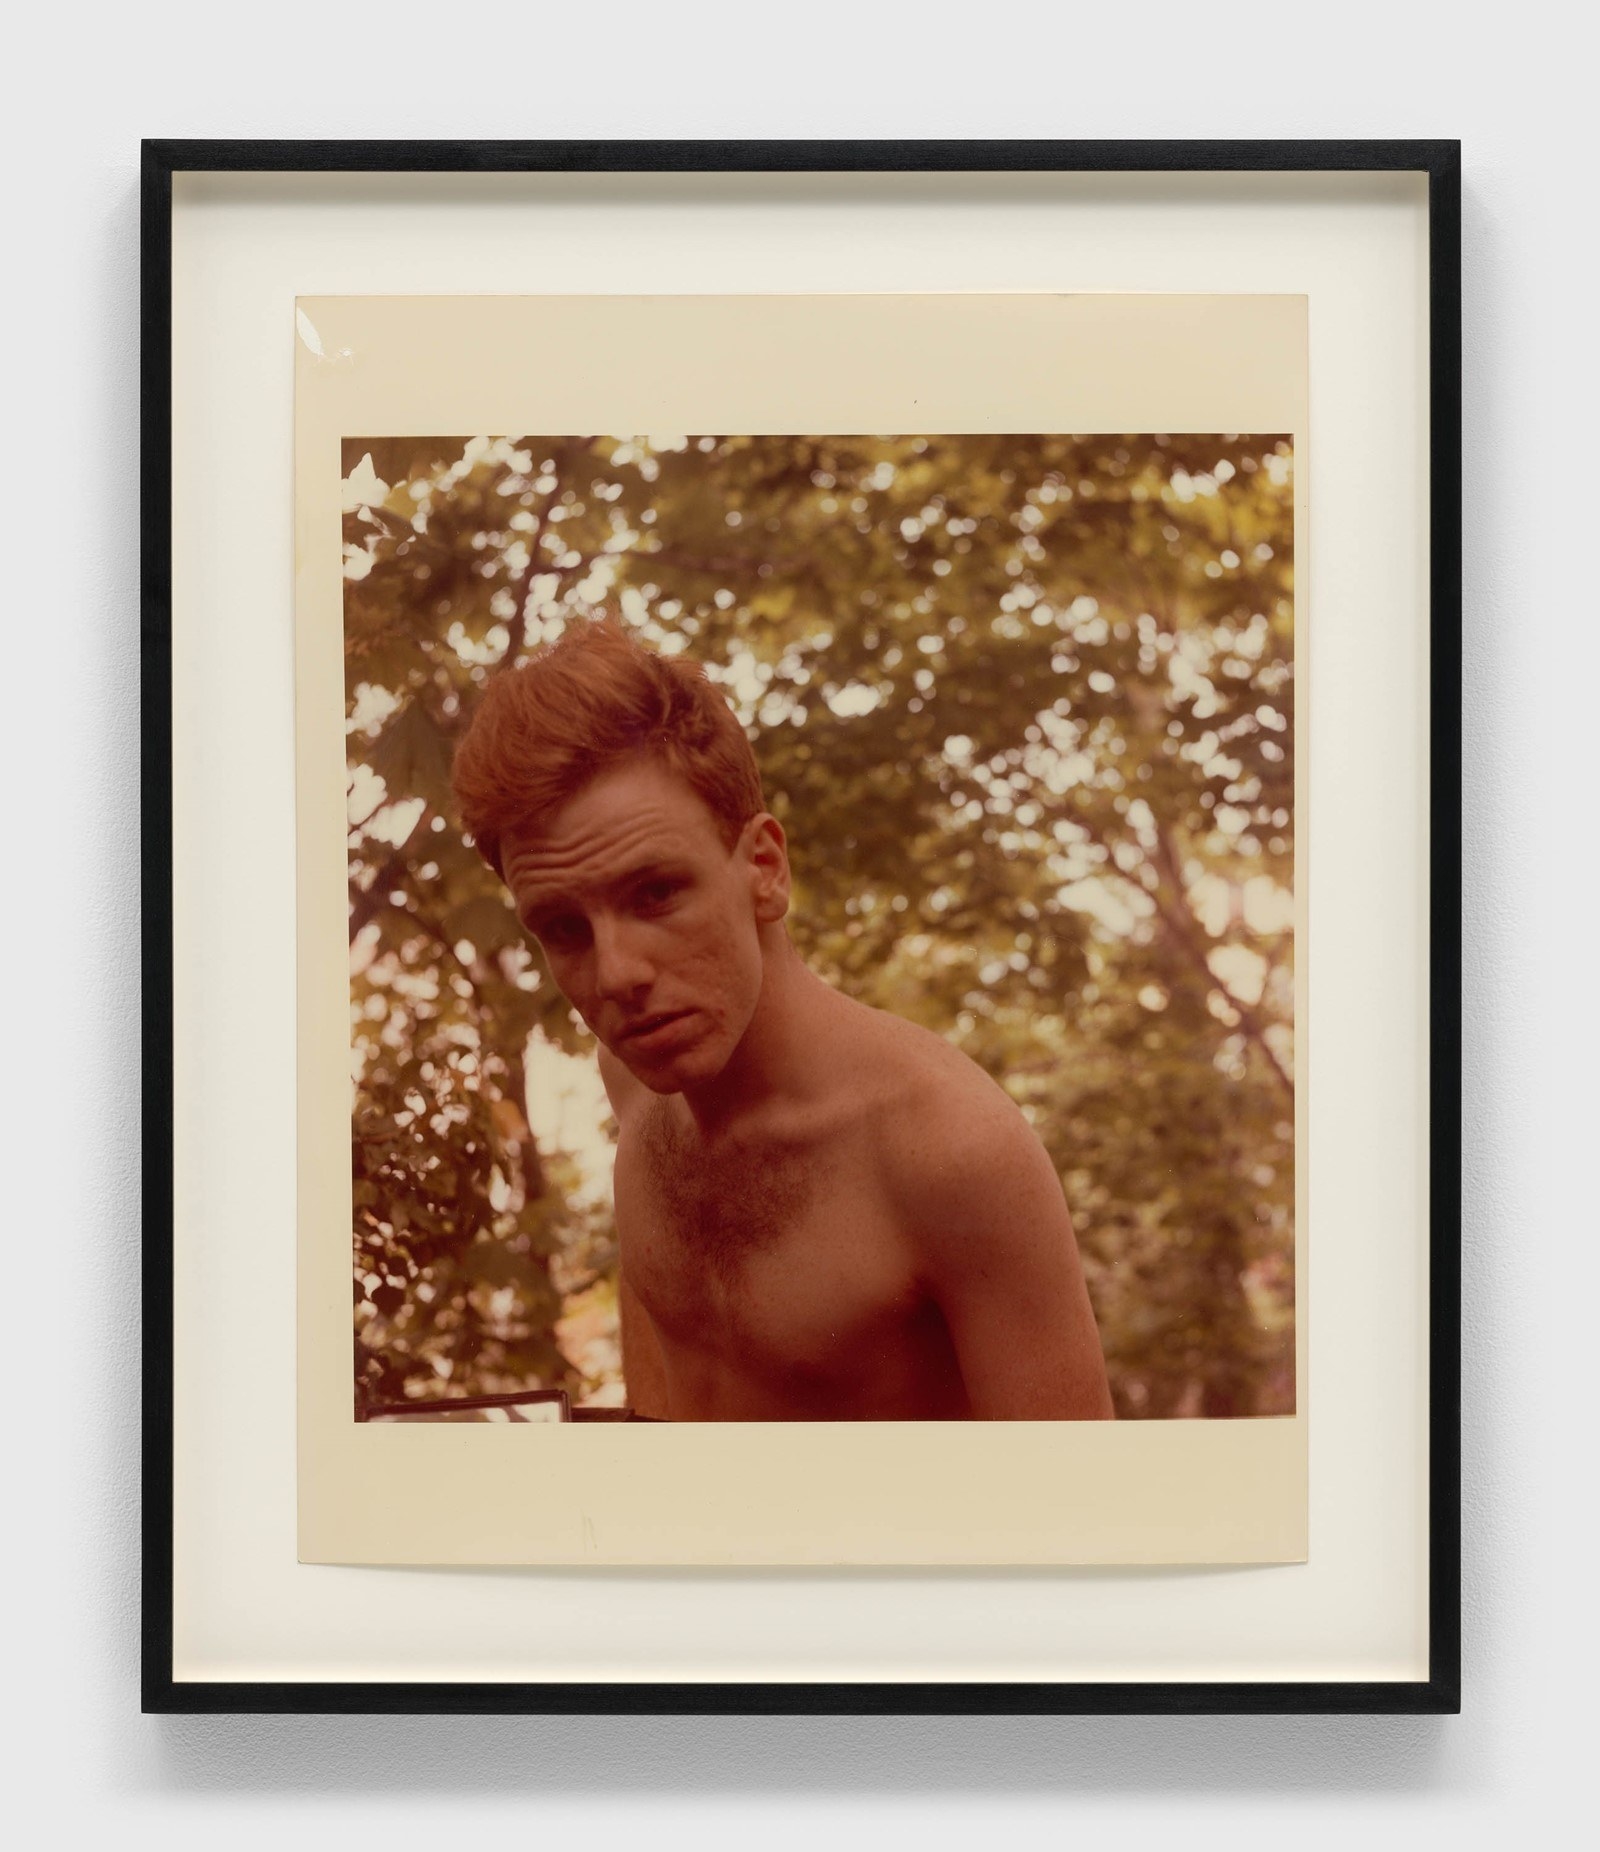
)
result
[(647, 1029)]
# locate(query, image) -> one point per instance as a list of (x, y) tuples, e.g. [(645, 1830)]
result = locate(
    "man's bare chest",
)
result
[(773, 1258), (725, 1209)]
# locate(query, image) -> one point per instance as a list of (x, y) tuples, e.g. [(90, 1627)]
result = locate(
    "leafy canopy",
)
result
[(1024, 706)]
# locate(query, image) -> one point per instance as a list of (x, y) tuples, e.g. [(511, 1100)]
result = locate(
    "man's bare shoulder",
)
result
[(946, 1130)]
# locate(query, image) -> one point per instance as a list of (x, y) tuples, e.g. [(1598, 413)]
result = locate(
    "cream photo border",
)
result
[(734, 1493), (243, 249)]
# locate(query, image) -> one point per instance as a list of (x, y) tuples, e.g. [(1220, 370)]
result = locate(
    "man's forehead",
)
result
[(606, 831), (552, 852)]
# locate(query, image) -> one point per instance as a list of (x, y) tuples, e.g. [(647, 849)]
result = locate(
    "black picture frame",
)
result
[(1440, 162)]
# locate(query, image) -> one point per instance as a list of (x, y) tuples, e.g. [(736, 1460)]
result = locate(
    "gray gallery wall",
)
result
[(87, 82)]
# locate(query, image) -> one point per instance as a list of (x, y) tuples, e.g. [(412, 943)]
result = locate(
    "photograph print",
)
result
[(821, 927)]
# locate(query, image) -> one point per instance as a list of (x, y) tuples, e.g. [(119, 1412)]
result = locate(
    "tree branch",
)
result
[(366, 901), (541, 526), (1182, 931), (1168, 872)]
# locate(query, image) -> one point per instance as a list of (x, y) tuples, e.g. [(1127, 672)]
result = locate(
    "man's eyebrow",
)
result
[(656, 863), (652, 864), (541, 912)]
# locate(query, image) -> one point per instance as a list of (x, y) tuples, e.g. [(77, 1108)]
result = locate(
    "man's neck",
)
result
[(782, 1055)]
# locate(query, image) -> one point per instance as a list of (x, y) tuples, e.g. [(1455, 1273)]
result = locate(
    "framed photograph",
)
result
[(801, 812)]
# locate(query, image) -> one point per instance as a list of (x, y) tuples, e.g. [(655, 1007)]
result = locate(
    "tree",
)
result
[(1024, 705)]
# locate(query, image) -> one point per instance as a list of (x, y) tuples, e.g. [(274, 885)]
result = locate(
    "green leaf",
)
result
[(489, 923), (412, 757)]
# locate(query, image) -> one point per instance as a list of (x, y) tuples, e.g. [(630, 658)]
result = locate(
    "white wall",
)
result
[(87, 83)]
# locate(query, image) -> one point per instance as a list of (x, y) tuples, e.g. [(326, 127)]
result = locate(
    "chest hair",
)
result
[(719, 1209)]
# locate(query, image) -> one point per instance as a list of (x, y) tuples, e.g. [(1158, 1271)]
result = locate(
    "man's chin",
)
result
[(672, 1073)]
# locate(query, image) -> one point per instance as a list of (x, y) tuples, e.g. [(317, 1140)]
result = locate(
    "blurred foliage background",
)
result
[(1024, 706)]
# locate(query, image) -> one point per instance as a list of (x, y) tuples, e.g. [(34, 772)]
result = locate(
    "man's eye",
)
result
[(560, 935), (654, 894)]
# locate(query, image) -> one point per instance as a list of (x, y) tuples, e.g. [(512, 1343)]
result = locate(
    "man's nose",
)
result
[(622, 971)]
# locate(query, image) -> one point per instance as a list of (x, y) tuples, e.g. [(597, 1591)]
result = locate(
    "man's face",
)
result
[(649, 922)]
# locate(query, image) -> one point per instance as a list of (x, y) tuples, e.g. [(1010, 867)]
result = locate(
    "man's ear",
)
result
[(767, 857)]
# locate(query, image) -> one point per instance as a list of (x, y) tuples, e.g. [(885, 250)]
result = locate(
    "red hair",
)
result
[(579, 706)]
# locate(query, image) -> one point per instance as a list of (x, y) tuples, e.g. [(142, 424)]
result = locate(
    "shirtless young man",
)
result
[(824, 1213)]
